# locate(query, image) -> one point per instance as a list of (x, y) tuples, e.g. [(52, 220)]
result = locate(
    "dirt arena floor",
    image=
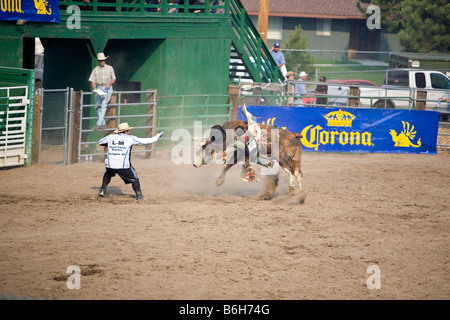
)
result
[(193, 240)]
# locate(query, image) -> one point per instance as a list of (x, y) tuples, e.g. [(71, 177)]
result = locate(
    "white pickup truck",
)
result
[(399, 91)]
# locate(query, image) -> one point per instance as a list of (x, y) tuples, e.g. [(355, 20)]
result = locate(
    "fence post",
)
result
[(112, 112), (233, 91), (75, 126), (354, 91), (151, 121), (421, 96), (35, 150)]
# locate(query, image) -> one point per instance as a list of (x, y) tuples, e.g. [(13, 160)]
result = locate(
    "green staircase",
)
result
[(250, 49)]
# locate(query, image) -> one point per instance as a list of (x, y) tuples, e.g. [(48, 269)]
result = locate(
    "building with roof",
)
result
[(327, 24)]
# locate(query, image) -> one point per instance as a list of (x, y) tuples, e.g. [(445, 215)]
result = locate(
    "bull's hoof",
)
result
[(265, 196), (219, 181), (302, 197)]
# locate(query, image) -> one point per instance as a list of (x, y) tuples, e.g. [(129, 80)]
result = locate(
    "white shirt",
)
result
[(119, 149)]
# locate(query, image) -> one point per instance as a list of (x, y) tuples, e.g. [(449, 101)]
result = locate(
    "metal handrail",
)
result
[(142, 8)]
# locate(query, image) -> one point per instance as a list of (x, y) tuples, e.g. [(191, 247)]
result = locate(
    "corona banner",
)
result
[(30, 10), (353, 129)]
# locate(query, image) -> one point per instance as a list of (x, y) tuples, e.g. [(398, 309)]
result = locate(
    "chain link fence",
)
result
[(55, 123)]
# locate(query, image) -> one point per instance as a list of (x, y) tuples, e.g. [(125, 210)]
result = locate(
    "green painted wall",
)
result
[(196, 66), (172, 66), (11, 52)]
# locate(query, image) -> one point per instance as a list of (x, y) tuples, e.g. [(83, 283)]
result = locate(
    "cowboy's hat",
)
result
[(290, 73), (101, 56), (123, 127)]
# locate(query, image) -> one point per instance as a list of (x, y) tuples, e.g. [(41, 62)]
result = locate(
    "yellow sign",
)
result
[(270, 122), (11, 6), (313, 137), (339, 119), (41, 6), (404, 138)]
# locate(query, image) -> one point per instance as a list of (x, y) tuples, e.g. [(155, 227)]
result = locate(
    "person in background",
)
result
[(300, 88), (278, 56), (290, 87), (102, 79), (290, 75), (118, 159), (321, 89)]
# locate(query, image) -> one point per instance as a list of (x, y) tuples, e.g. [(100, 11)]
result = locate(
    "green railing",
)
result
[(21, 82), (148, 7), (187, 111)]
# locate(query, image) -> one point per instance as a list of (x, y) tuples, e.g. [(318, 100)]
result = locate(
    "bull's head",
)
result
[(205, 149), (199, 147)]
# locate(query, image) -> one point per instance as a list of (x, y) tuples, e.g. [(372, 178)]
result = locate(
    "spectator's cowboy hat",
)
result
[(290, 73), (101, 56), (123, 127)]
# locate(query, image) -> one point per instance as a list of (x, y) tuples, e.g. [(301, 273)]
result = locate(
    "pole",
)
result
[(263, 19)]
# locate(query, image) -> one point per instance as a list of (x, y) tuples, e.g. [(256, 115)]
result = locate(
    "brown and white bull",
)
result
[(279, 145)]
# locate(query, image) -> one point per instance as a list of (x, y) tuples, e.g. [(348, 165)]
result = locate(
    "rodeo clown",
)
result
[(249, 139), (118, 160)]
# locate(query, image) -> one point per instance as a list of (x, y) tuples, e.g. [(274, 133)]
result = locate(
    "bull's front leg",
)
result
[(301, 192), (291, 182), (221, 178)]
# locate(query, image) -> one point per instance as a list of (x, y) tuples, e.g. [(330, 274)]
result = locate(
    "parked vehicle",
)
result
[(354, 81), (399, 90)]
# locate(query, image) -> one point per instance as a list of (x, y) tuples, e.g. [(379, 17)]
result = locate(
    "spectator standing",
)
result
[(291, 88), (300, 88), (102, 79), (290, 75), (321, 89), (278, 56)]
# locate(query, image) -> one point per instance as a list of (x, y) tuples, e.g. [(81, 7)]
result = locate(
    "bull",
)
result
[(287, 153)]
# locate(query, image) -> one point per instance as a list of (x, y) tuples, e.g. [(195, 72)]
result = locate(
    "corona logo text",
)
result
[(314, 137), (271, 122), (339, 119), (11, 6)]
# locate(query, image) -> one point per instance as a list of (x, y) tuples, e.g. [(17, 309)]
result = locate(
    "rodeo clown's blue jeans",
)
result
[(101, 103)]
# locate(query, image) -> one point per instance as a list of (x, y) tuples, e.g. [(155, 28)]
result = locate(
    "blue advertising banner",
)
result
[(30, 10), (353, 129)]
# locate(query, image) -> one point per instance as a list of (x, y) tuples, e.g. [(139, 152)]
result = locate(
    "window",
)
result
[(420, 80), (274, 27), (398, 78), (438, 81), (323, 27)]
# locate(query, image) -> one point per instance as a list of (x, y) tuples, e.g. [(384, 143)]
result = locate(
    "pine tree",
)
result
[(423, 24), (298, 60)]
